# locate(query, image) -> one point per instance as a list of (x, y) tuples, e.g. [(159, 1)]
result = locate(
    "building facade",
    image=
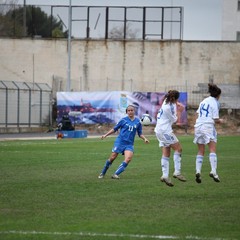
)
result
[(231, 20)]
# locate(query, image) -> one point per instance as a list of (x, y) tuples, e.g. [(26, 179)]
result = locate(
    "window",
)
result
[(238, 37)]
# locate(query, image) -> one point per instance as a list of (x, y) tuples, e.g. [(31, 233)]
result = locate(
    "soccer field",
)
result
[(49, 189)]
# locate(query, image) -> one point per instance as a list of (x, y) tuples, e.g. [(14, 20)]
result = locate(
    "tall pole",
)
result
[(69, 46), (24, 19)]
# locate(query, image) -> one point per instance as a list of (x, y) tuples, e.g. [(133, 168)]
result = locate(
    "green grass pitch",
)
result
[(49, 190)]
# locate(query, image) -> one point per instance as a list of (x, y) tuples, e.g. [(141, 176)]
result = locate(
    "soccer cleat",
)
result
[(198, 178), (101, 175), (167, 181), (180, 177), (215, 177), (115, 176)]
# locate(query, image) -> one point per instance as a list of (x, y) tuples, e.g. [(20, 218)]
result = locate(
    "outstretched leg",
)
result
[(108, 164)]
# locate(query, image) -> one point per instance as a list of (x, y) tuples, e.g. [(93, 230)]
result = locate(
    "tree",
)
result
[(37, 23), (6, 24), (118, 32)]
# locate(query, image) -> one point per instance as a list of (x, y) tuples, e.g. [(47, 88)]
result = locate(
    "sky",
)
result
[(202, 18)]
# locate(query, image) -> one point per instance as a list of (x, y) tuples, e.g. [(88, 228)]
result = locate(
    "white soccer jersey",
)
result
[(167, 115), (208, 110)]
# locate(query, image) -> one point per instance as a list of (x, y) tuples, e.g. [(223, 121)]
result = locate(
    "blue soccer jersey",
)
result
[(128, 129)]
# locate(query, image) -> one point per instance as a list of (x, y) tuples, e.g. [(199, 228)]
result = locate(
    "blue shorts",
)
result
[(122, 148)]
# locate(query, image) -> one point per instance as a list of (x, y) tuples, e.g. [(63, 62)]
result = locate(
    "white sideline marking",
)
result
[(106, 235), (88, 234)]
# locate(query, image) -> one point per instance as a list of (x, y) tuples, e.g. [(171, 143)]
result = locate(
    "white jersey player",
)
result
[(166, 117), (205, 132)]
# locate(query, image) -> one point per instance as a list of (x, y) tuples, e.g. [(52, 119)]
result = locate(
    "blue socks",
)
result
[(105, 168), (121, 168)]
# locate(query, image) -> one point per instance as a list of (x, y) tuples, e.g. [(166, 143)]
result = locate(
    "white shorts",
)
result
[(204, 134), (166, 139)]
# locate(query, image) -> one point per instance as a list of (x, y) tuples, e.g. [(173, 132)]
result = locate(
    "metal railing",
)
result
[(91, 22), (25, 104)]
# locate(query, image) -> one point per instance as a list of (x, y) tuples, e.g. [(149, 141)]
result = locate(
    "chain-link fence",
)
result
[(230, 96), (32, 104)]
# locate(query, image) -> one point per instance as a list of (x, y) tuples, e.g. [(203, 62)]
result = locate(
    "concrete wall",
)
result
[(120, 65)]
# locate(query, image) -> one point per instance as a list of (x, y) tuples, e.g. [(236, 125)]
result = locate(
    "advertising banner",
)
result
[(110, 107)]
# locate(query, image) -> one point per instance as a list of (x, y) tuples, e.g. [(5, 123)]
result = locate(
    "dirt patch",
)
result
[(231, 127)]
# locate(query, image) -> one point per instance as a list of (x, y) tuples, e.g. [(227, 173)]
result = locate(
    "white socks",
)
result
[(212, 160), (177, 163), (199, 162), (165, 166)]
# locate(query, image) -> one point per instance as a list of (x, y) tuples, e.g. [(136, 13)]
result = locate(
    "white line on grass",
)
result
[(88, 234), (106, 235)]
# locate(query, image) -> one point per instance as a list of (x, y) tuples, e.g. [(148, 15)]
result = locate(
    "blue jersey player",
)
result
[(124, 142)]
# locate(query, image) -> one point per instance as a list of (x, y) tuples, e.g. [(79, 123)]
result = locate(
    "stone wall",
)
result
[(121, 65)]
